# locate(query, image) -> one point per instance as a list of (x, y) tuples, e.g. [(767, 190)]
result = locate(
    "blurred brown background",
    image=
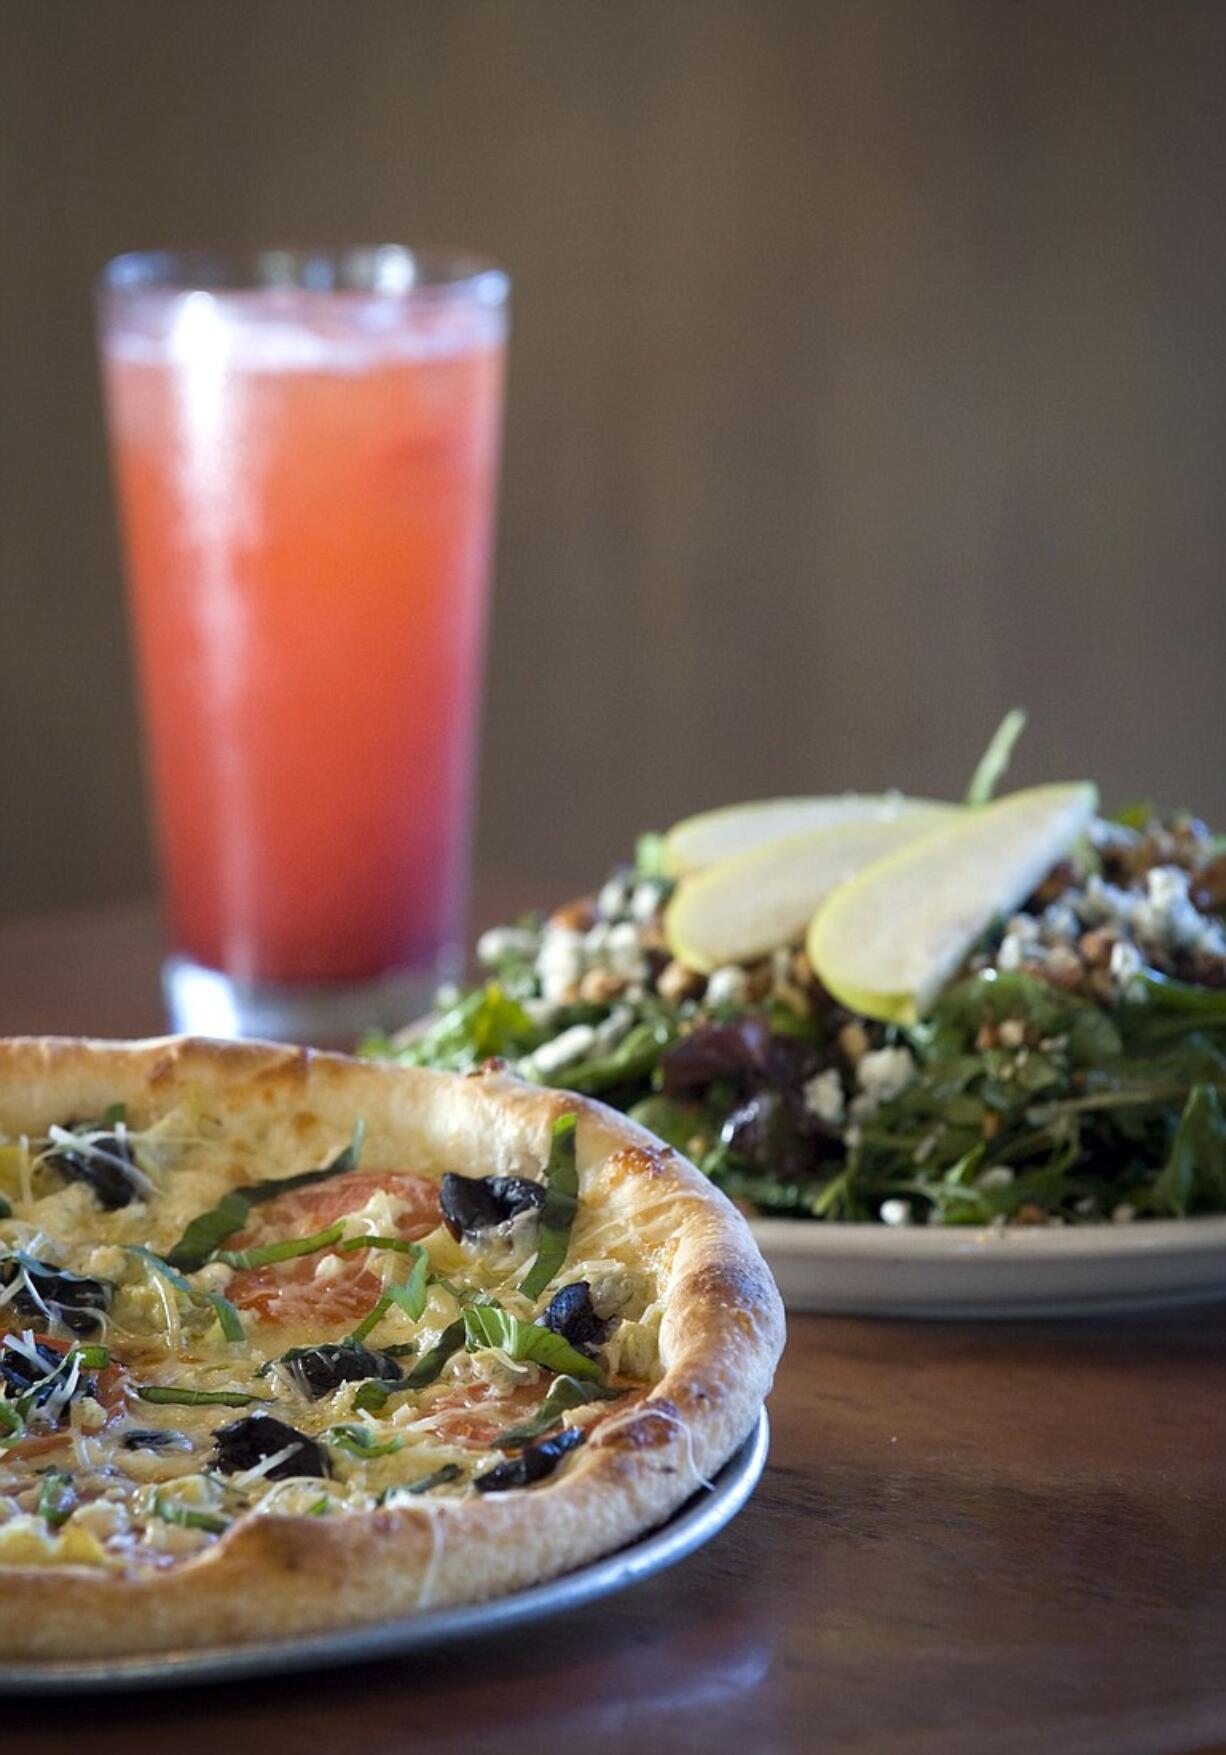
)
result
[(868, 376)]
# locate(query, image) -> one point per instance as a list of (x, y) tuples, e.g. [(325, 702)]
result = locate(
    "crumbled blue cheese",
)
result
[(824, 1098), (1125, 968), (500, 942), (895, 1212), (995, 1176), (727, 985), (573, 1044), (559, 963), (882, 1074)]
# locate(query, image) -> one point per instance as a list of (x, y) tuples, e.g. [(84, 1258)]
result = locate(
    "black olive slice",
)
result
[(531, 1464), (477, 1203), (570, 1314), (113, 1186), (244, 1443), (319, 1370), (19, 1373), (73, 1299)]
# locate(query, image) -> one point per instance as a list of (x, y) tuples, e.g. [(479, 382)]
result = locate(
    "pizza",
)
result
[(291, 1342)]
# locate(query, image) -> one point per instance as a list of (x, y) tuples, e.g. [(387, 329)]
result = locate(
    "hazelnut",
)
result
[(676, 983)]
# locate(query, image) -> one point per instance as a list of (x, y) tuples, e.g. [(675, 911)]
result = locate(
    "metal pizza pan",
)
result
[(702, 1517)]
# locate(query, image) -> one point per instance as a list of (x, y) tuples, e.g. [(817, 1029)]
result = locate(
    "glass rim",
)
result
[(392, 271)]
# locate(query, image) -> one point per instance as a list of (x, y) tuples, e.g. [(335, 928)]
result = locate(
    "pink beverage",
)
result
[(307, 477)]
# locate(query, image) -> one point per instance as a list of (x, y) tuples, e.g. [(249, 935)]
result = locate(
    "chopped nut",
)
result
[(1060, 878), (576, 916), (1030, 1214), (802, 971), (758, 981), (1095, 947), (676, 983), (599, 986), (986, 1037), (992, 1124), (853, 1042)]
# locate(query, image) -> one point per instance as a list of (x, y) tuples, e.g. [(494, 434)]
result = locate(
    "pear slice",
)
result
[(887, 943), (700, 841), (742, 908)]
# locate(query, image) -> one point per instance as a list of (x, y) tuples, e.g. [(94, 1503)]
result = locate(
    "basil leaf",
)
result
[(92, 1358), (321, 1508), (171, 1512), (265, 1254), (371, 1397), (227, 1315), (58, 1498), (396, 1243), (430, 1365), (361, 1441), (485, 1325), (209, 1230), (564, 1393), (440, 1477), (172, 1396), (409, 1294), (12, 1426), (558, 1212)]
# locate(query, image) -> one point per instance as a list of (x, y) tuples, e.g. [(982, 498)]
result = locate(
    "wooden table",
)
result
[(1006, 1537)]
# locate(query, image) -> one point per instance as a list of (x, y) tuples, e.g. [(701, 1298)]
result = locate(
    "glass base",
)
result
[(204, 1002)]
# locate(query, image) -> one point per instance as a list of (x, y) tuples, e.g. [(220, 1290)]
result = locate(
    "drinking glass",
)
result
[(305, 447)]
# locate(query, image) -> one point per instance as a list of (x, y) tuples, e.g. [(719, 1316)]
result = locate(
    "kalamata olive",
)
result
[(477, 1203), (244, 1443), (745, 1053), (105, 1165), (773, 1132), (531, 1464), (73, 1299), (570, 1315), (319, 1370), (141, 1438)]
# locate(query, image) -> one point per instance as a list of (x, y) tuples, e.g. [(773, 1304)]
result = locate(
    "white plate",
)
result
[(883, 1270)]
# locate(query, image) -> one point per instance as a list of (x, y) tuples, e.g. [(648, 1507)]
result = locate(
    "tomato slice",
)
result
[(288, 1292), (473, 1415)]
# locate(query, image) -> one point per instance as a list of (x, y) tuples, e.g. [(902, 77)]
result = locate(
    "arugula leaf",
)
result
[(634, 1057), (263, 1255), (361, 1441), (170, 1511), (486, 1325), (208, 1231), (485, 1024), (564, 1393), (227, 1315), (1195, 1170), (650, 860), (995, 760), (558, 1212), (57, 1499), (176, 1396)]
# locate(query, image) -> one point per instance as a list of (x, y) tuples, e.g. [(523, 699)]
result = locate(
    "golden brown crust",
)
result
[(270, 1576)]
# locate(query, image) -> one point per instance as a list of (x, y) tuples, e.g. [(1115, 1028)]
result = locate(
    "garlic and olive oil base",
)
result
[(1008, 1011)]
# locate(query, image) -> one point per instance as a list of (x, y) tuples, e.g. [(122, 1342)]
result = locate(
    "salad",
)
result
[(1009, 1012)]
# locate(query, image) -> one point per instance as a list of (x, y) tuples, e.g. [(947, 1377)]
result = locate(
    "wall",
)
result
[(869, 376)]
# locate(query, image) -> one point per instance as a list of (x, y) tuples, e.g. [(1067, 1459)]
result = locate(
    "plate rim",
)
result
[(802, 1238), (709, 1509)]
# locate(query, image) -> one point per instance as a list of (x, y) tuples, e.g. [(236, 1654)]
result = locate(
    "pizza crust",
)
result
[(274, 1576)]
